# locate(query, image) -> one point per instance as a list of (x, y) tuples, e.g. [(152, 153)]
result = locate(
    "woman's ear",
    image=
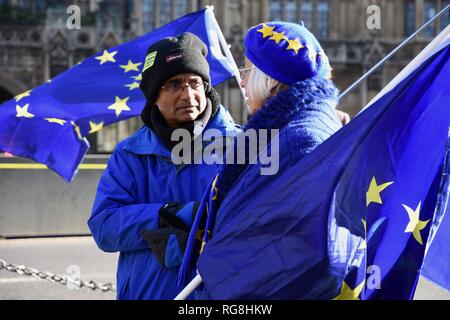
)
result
[(279, 86), (273, 85)]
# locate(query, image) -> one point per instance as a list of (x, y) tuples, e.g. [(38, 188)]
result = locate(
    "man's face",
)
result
[(181, 99)]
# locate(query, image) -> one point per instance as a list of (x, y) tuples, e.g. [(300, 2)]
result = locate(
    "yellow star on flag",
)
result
[(294, 45), (120, 105), (278, 36), (106, 56), (415, 225), (22, 95), (266, 30), (132, 86), (138, 77), (77, 131), (130, 66), (204, 242), (214, 188), (22, 112), (95, 126), (350, 294), (201, 248), (56, 120), (373, 194)]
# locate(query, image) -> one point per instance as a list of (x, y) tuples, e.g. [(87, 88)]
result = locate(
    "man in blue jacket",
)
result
[(145, 203)]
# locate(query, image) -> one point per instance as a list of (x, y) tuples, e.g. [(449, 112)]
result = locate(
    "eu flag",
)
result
[(350, 220), (49, 123)]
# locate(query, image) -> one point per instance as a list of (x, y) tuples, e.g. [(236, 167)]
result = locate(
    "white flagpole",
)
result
[(189, 288), (226, 47)]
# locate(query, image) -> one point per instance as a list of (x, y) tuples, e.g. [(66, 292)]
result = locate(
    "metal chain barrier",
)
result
[(61, 279)]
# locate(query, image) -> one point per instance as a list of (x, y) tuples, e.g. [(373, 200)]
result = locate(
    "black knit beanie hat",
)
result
[(171, 56)]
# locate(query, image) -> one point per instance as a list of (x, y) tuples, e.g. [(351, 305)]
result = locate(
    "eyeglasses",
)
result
[(244, 72), (176, 85)]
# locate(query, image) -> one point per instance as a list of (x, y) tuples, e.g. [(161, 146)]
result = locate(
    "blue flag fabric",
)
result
[(49, 123), (437, 261), (351, 219)]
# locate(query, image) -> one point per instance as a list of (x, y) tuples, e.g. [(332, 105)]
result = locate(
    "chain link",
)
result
[(62, 279)]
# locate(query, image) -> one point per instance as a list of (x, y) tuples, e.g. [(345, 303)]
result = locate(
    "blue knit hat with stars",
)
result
[(287, 52)]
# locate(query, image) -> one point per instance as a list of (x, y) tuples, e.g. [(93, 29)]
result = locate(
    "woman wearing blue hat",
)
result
[(287, 80)]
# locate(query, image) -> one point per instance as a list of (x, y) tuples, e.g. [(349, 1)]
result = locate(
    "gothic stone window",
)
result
[(306, 13), (445, 18), (148, 15), (410, 17), (59, 53), (431, 8), (275, 10), (313, 13), (290, 10), (156, 13), (323, 11), (181, 8), (429, 12), (375, 81), (165, 11)]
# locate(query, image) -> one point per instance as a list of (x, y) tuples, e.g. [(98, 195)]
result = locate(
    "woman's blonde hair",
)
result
[(260, 86)]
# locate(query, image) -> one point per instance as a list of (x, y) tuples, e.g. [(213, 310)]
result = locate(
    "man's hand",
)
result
[(168, 242), (344, 117)]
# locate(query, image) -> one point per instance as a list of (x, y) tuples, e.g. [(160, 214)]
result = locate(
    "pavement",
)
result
[(59, 256), (70, 255)]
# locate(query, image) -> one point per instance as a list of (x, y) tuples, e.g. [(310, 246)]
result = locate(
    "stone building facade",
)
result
[(36, 45)]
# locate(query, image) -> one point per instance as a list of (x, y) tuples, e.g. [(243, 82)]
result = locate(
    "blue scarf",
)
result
[(276, 113)]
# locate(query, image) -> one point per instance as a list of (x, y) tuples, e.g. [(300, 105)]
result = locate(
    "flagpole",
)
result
[(189, 288), (401, 45), (226, 48)]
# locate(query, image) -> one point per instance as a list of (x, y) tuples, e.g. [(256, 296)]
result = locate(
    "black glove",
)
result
[(168, 243)]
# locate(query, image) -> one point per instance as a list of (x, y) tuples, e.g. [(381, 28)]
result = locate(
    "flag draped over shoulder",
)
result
[(351, 219), (49, 123)]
